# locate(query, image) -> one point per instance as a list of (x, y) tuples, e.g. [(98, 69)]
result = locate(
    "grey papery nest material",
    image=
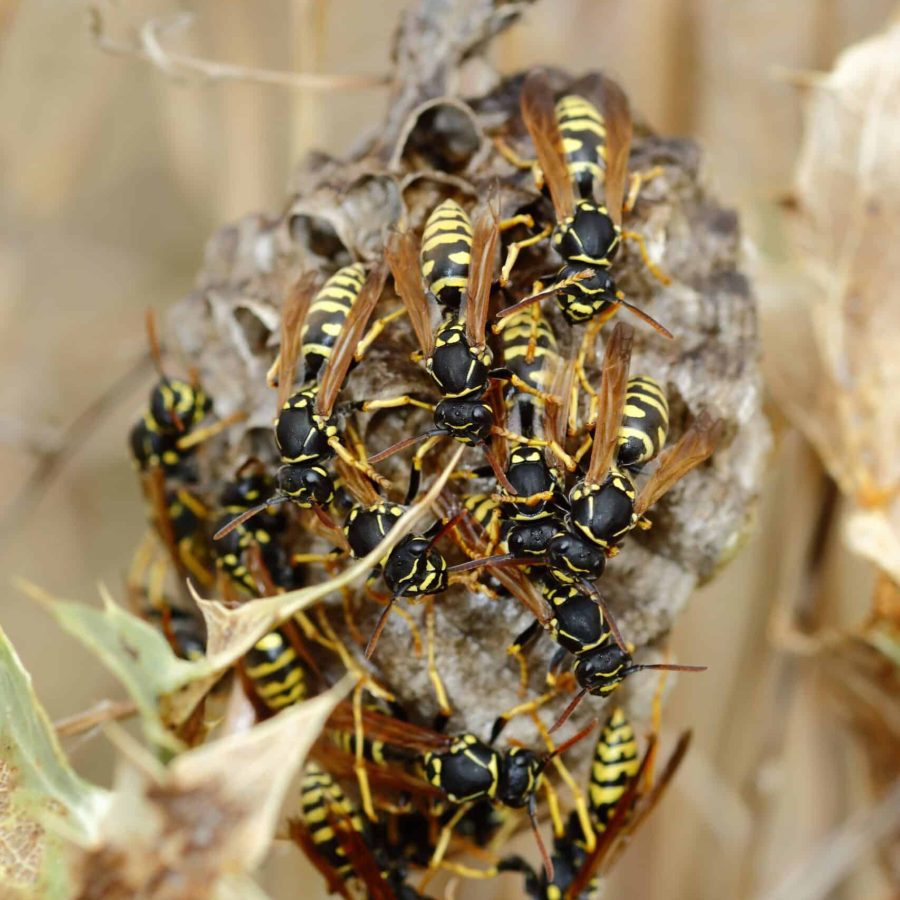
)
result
[(341, 210)]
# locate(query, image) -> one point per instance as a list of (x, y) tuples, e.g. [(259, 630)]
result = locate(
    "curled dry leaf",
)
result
[(198, 827), (41, 797), (838, 376)]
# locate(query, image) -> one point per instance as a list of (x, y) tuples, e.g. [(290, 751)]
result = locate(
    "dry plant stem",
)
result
[(182, 66), (836, 856), (799, 608)]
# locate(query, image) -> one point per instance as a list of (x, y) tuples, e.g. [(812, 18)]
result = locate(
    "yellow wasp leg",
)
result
[(336, 445), (375, 329), (210, 431), (638, 180), (439, 690), (512, 252), (392, 402), (652, 268)]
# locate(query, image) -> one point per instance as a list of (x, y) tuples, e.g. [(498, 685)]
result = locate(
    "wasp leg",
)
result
[(336, 445), (556, 663), (443, 842), (439, 689), (510, 155), (392, 403), (512, 252), (652, 268), (638, 180), (581, 809), (558, 451), (415, 470), (530, 500), (199, 435), (359, 762), (375, 330)]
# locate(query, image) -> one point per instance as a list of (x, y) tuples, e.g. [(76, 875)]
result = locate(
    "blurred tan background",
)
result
[(113, 177)]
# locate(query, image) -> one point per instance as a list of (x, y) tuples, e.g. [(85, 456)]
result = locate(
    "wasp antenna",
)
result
[(665, 667), (572, 741), (402, 445), (237, 521), (645, 317), (503, 559), (379, 627), (569, 710), (499, 474), (542, 847)]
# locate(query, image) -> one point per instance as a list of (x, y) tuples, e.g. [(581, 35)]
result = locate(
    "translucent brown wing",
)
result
[(631, 811), (396, 732), (293, 315), (611, 408), (497, 402), (617, 119), (539, 114), (696, 445), (402, 254), (556, 409), (481, 276), (338, 365), (300, 835), (360, 487), (155, 489)]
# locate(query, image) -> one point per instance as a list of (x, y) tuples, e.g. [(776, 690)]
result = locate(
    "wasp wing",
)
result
[(402, 254), (539, 114), (696, 445), (338, 365), (293, 315), (611, 408), (481, 276), (617, 121)]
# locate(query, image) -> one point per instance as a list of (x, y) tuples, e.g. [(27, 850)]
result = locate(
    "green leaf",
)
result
[(135, 651), (42, 800)]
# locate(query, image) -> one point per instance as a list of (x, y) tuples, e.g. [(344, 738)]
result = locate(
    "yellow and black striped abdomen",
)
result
[(615, 764), (530, 348), (278, 676), (326, 316), (322, 804), (584, 141), (645, 422), (446, 253)]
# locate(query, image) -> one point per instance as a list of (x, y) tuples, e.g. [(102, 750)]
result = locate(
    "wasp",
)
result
[(456, 354), (605, 505), (166, 435), (622, 797), (332, 833), (251, 484), (463, 769), (307, 426), (578, 147), (275, 672)]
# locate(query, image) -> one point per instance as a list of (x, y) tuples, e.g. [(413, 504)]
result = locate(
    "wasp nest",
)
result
[(436, 144)]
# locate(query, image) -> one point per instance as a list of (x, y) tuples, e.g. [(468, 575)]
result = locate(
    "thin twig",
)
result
[(104, 711), (184, 66)]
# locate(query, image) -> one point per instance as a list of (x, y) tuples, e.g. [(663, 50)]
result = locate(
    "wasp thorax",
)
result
[(457, 368), (604, 513), (300, 434), (520, 774), (366, 526), (306, 485), (589, 236), (467, 421)]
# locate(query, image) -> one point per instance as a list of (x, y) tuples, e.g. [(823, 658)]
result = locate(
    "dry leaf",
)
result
[(838, 377), (138, 655), (41, 797), (198, 827)]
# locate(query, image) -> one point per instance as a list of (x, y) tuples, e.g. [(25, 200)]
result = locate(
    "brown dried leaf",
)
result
[(190, 829), (842, 388)]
